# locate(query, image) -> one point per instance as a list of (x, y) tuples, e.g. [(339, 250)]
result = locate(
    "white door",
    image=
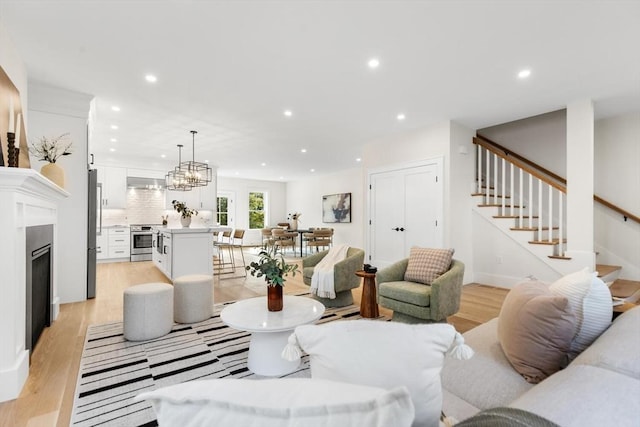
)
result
[(406, 208)]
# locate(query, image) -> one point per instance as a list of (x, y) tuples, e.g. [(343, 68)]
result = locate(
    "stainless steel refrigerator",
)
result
[(94, 228)]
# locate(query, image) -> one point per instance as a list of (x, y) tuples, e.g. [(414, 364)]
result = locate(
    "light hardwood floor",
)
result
[(47, 397)]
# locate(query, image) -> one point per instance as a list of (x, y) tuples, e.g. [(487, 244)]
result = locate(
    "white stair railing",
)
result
[(525, 188)]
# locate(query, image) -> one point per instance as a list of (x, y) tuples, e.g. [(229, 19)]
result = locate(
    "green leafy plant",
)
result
[(272, 266), (182, 209), (50, 149)]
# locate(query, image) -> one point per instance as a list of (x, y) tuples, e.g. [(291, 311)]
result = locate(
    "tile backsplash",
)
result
[(148, 207)]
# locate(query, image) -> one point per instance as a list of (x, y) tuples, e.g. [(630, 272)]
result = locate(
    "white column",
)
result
[(580, 186)]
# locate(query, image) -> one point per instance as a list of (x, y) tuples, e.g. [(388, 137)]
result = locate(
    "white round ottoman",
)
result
[(148, 311), (192, 298)]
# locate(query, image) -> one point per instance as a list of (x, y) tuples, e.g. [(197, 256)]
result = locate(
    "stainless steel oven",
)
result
[(141, 242)]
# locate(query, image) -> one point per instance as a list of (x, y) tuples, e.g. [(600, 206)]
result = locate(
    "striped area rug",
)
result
[(113, 371)]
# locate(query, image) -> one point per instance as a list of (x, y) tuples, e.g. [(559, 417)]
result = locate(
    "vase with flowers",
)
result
[(272, 266), (293, 219), (50, 149), (184, 211)]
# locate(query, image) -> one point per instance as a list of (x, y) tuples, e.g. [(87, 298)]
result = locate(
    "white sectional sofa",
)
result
[(601, 387)]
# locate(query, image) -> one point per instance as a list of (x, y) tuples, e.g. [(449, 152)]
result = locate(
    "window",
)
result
[(223, 210), (256, 209)]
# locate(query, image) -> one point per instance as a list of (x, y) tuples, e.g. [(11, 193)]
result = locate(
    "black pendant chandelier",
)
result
[(176, 179), (197, 174)]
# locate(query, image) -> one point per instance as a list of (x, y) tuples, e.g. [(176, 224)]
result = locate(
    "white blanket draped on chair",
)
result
[(322, 283)]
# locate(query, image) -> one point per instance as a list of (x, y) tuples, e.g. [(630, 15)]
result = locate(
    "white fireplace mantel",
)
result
[(26, 199)]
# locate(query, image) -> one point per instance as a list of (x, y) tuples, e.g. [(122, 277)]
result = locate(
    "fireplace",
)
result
[(39, 279)]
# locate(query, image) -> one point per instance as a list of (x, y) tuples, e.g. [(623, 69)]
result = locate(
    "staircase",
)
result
[(528, 203)]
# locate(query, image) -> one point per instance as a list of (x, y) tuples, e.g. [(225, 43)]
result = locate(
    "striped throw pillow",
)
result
[(426, 264), (590, 300)]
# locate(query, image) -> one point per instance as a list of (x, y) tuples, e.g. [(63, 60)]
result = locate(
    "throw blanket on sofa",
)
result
[(322, 283)]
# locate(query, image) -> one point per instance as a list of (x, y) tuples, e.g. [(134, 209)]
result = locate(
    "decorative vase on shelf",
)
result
[(185, 221), (54, 173), (274, 298)]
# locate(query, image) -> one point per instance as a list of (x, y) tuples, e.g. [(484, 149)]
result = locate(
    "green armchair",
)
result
[(413, 302), (345, 278)]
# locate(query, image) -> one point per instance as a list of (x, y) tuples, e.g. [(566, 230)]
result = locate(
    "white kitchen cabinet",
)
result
[(114, 187), (199, 198), (191, 198), (102, 246), (119, 242), (113, 244), (162, 249), (185, 251)]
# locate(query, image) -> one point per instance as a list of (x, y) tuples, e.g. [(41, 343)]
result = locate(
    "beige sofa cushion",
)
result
[(425, 264), (618, 348), (535, 329), (583, 395), (487, 380)]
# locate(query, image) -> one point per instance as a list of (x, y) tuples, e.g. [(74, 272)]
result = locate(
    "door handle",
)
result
[(396, 229), (401, 228)]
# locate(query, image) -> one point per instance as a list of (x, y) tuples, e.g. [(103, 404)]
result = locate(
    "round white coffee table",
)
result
[(270, 330)]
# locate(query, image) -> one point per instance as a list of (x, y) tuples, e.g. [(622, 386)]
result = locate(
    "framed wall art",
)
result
[(336, 207)]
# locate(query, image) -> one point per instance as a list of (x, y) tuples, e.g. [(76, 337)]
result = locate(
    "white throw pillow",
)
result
[(590, 300), (384, 354), (301, 402)]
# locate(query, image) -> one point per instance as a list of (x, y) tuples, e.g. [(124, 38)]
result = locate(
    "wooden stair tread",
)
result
[(497, 205), (623, 288), (604, 269), (559, 257), (490, 195), (515, 216), (532, 228), (547, 242)]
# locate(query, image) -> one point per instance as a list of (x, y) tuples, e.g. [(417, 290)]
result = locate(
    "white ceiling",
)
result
[(229, 69)]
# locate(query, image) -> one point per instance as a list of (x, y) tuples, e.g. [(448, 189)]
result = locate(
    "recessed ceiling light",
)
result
[(151, 78), (163, 155), (288, 113), (373, 63), (112, 149), (312, 170), (114, 140), (263, 164), (401, 117), (523, 74), (206, 161), (237, 173), (358, 159), (115, 108), (304, 150), (114, 127), (282, 177)]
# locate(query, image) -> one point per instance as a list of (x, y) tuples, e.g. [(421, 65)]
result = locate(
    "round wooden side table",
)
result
[(368, 303)]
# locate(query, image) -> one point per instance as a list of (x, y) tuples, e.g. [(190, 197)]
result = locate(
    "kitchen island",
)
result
[(183, 251)]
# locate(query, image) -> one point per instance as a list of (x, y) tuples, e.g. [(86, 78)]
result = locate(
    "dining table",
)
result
[(301, 233)]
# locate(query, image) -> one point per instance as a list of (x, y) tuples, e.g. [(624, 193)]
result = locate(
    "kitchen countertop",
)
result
[(181, 230)]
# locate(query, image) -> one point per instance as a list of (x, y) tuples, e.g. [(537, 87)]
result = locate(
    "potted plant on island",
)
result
[(50, 150), (185, 212), (272, 266)]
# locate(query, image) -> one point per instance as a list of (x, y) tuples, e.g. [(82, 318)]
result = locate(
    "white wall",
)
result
[(444, 140), (276, 204), (499, 260), (305, 196), (12, 64), (52, 112), (461, 184), (541, 139), (617, 179)]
